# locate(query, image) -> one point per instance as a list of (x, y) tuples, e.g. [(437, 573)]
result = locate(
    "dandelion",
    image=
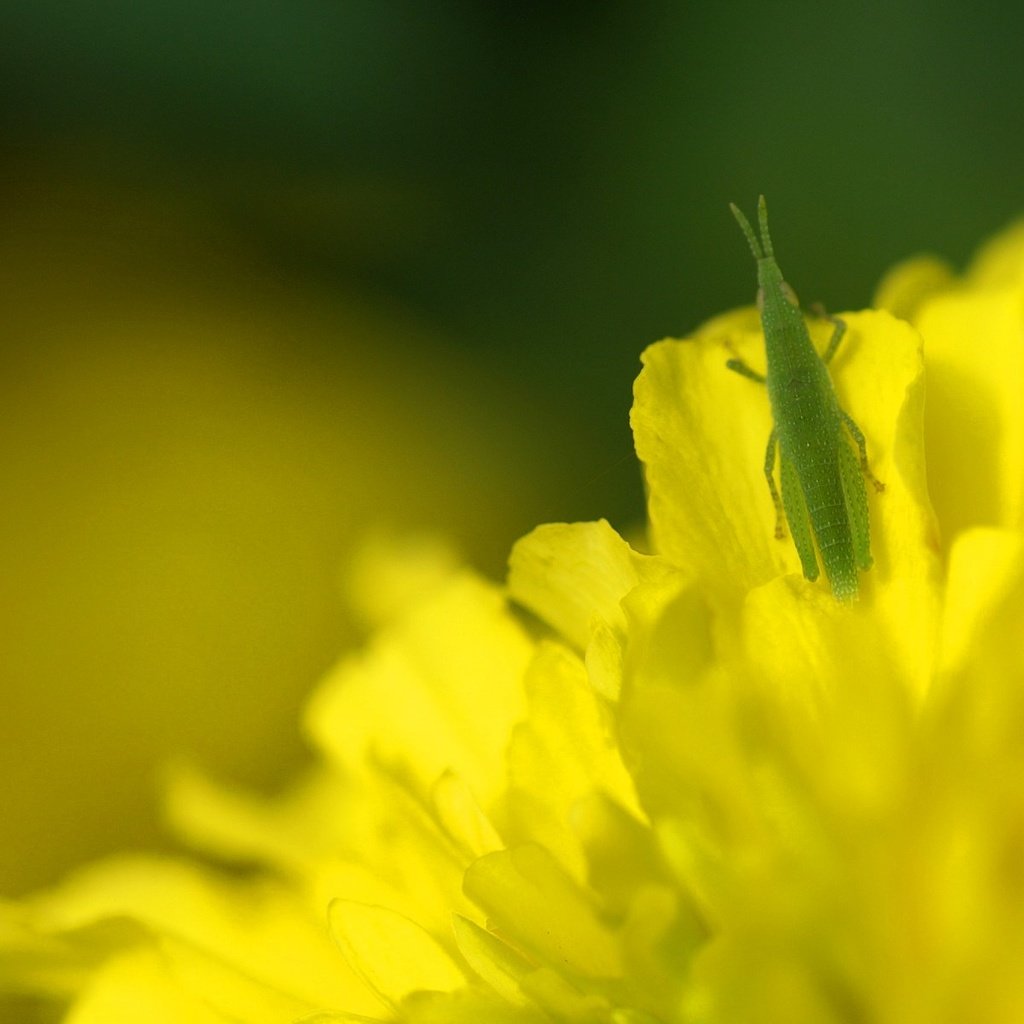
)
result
[(679, 785)]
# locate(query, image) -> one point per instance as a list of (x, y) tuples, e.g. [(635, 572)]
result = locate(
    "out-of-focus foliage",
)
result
[(553, 164)]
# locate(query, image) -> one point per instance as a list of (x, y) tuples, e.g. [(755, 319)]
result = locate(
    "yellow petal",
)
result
[(1000, 261), (905, 288), (980, 692), (243, 927), (396, 854), (339, 1017), (673, 719), (574, 577), (139, 986), (661, 934), (564, 752), (329, 836), (701, 432), (287, 831), (393, 955), (683, 749), (493, 960), (829, 694), (985, 569), (677, 718), (462, 818), (32, 961), (974, 416), (388, 575), (571, 574), (468, 1006), (232, 994), (881, 383), (536, 904), (563, 1001), (622, 856), (437, 691)]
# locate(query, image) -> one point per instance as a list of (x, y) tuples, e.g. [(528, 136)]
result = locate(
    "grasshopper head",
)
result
[(769, 277)]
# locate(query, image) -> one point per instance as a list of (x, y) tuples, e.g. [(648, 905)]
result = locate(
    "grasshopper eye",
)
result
[(790, 295)]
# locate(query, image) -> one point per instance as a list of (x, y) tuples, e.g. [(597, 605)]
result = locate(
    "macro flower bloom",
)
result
[(678, 784)]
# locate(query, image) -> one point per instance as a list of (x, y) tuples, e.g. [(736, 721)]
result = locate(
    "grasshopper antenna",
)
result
[(762, 222), (755, 245)]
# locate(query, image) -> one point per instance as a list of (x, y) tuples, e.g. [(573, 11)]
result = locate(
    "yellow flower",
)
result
[(974, 427), (684, 786)]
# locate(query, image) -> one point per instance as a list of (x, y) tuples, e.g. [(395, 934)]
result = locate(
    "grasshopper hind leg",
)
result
[(769, 475), (798, 518), (856, 499)]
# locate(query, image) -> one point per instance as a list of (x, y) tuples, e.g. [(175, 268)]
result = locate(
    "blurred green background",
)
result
[(277, 273)]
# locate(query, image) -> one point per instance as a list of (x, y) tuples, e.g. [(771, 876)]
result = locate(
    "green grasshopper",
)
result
[(823, 495)]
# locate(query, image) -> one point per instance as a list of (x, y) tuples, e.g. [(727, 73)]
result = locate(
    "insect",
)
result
[(823, 497)]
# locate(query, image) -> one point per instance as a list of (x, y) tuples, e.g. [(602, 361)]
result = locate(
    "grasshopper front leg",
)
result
[(738, 366), (769, 475)]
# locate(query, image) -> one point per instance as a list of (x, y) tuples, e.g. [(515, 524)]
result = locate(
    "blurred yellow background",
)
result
[(191, 444)]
